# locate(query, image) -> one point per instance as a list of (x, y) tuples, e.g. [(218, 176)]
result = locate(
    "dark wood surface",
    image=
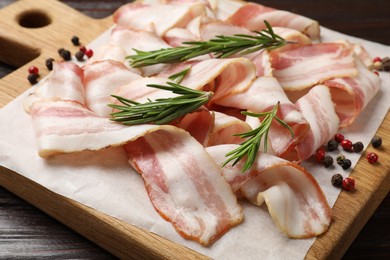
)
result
[(26, 232)]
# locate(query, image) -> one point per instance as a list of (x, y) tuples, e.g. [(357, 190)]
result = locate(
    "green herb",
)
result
[(162, 110), (222, 47), (250, 147), (178, 77)]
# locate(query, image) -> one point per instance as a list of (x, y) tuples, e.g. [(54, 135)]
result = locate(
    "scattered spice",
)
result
[(66, 55), (328, 161), (320, 154), (32, 78), (348, 184), (346, 164), (49, 63), (358, 147), (79, 55), (339, 138), (372, 157), (337, 180), (33, 70), (346, 144), (340, 158), (385, 66), (376, 141), (332, 145), (89, 53), (83, 49), (75, 40)]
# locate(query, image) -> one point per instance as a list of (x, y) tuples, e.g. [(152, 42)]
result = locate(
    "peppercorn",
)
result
[(83, 49), (328, 161), (358, 147), (348, 184), (376, 141), (65, 54), (346, 144), (372, 157), (337, 180), (385, 64), (33, 70), (339, 138), (79, 55), (60, 51), (89, 53), (32, 78), (346, 164), (49, 63), (332, 145), (320, 154), (75, 40), (340, 158)]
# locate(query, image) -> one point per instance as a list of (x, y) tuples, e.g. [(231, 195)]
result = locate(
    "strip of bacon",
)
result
[(312, 64), (352, 94), (155, 18), (101, 79), (318, 109), (294, 199), (185, 186), (65, 82), (263, 94), (252, 16)]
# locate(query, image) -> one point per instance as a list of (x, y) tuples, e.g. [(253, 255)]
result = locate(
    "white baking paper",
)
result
[(104, 180)]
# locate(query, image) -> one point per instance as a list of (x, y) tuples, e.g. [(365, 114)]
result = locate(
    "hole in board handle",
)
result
[(33, 19)]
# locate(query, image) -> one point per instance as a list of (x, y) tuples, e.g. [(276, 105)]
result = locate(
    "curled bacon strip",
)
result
[(293, 197)]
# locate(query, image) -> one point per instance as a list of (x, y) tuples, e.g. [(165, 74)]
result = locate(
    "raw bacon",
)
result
[(185, 186), (101, 79), (308, 65), (252, 16), (293, 197), (318, 109), (154, 18)]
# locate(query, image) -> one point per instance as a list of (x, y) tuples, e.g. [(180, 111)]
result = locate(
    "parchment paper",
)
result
[(104, 180)]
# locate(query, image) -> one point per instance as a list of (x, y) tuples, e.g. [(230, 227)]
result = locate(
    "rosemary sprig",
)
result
[(221, 46), (178, 77), (162, 110), (250, 147)]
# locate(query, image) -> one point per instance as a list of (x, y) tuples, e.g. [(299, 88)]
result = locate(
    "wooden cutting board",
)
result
[(32, 31)]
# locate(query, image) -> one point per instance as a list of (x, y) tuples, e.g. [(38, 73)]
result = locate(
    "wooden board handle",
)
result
[(32, 31)]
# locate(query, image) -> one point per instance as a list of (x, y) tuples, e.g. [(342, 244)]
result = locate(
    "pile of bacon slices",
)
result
[(321, 87)]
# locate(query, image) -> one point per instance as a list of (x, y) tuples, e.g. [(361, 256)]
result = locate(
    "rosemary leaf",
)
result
[(221, 46), (249, 148)]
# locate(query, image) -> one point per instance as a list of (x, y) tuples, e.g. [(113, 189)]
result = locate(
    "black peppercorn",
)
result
[(60, 51), (346, 164), (332, 145), (32, 78), (65, 54), (358, 147), (376, 141), (79, 55), (328, 161), (75, 40), (49, 63), (337, 180)]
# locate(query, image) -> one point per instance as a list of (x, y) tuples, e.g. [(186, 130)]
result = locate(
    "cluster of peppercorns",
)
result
[(65, 54), (347, 183), (382, 64), (333, 145)]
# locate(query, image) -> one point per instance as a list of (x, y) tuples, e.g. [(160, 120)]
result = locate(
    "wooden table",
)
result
[(27, 232)]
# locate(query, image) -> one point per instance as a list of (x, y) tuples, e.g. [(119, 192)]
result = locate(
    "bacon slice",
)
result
[(312, 64), (352, 94), (155, 18), (65, 82), (185, 186), (254, 100), (293, 197), (101, 80), (252, 16), (318, 109)]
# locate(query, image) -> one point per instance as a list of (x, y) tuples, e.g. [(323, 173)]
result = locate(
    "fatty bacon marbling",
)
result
[(175, 177)]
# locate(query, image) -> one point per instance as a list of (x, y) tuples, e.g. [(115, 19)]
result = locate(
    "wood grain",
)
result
[(117, 237)]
